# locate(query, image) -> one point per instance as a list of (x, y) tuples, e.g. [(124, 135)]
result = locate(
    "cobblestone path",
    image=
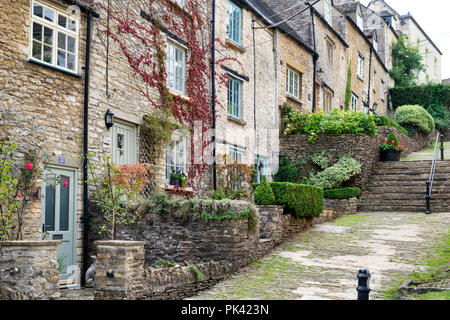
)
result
[(322, 263)]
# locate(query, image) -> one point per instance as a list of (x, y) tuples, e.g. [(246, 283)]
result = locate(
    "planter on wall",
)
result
[(390, 155), (175, 182)]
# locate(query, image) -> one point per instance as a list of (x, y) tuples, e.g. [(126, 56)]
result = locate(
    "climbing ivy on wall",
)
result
[(138, 31)]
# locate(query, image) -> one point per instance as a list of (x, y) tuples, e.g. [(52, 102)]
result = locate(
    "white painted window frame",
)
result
[(360, 71), (56, 29), (172, 70), (354, 102), (236, 154), (293, 81), (177, 137)]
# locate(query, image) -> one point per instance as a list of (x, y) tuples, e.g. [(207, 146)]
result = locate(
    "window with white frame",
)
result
[(234, 22), (176, 155), (327, 11), (360, 66), (234, 97), (359, 21), (236, 155), (329, 53), (327, 100), (293, 79), (262, 166), (354, 102), (175, 66), (54, 37)]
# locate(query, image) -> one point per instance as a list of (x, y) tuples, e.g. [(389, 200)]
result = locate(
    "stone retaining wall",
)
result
[(364, 148), (226, 245), (29, 270)]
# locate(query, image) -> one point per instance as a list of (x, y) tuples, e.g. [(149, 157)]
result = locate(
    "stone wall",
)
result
[(119, 270), (365, 149), (28, 270)]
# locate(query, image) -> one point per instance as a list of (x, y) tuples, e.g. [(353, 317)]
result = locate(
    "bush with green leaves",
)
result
[(300, 200), (342, 193), (383, 121), (290, 172), (336, 122), (263, 194), (415, 118), (334, 176)]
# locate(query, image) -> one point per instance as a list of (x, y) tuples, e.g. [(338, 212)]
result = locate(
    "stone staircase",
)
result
[(400, 186)]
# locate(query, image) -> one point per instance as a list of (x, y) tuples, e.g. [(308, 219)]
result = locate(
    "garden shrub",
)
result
[(423, 95), (263, 194), (288, 172), (334, 176), (415, 117), (336, 122), (342, 193), (440, 116), (297, 199), (388, 122)]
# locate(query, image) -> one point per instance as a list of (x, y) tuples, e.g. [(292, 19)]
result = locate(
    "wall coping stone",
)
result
[(119, 243), (30, 243)]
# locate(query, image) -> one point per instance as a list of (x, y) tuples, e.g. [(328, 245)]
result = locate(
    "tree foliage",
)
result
[(407, 63)]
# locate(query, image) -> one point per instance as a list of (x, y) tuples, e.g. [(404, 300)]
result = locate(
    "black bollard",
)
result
[(442, 148), (363, 284)]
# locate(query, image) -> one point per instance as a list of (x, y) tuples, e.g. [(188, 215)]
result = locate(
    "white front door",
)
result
[(123, 143)]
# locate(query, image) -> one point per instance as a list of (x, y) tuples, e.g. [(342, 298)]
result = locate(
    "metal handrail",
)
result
[(432, 171)]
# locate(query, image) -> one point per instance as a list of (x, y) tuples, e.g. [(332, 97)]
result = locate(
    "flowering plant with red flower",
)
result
[(391, 143)]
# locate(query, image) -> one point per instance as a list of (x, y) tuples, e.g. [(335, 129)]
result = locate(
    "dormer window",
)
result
[(327, 11), (359, 21)]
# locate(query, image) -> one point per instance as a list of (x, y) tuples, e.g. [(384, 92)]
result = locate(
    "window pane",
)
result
[(61, 58), (71, 44), (64, 204), (38, 10), (62, 40), (48, 14), (72, 25), (48, 35), (62, 21), (48, 54), (37, 50), (71, 62), (37, 31)]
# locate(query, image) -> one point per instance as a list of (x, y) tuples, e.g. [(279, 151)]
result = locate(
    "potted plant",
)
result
[(391, 149), (178, 179)]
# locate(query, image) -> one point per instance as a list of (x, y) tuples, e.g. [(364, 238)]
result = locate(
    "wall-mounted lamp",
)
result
[(109, 119)]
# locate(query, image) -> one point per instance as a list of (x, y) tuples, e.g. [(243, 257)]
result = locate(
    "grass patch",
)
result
[(350, 221)]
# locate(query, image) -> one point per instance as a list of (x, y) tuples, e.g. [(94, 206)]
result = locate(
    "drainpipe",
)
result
[(213, 91), (315, 58), (370, 73), (85, 219)]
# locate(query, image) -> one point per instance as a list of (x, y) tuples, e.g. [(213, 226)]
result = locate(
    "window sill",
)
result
[(179, 94), (233, 45), (54, 68), (289, 96), (236, 120)]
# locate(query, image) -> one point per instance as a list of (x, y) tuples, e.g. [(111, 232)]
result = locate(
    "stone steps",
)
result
[(401, 186)]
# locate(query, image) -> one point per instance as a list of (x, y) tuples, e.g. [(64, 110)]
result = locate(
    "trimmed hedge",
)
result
[(383, 121), (424, 95), (263, 194), (342, 193), (415, 117), (302, 201)]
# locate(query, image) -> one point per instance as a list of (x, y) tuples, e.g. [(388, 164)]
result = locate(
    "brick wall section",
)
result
[(28, 270), (365, 149)]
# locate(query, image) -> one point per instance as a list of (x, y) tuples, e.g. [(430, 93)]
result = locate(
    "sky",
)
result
[(434, 18)]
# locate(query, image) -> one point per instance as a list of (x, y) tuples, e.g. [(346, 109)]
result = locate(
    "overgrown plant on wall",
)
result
[(115, 189), (17, 187), (348, 88), (138, 31)]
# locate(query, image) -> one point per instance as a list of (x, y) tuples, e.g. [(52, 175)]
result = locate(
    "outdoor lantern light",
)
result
[(109, 119)]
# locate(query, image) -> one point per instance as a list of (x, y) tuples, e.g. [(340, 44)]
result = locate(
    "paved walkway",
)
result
[(428, 152), (322, 263)]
